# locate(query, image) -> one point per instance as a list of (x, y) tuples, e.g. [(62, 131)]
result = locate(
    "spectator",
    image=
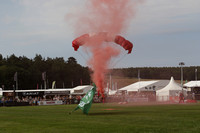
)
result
[(181, 98), (193, 96)]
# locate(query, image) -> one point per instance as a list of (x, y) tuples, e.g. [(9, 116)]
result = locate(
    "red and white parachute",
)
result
[(127, 45)]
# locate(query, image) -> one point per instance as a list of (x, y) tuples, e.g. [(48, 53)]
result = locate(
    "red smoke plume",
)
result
[(112, 16)]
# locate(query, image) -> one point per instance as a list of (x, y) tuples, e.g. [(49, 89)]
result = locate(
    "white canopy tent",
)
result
[(172, 90), (80, 90), (192, 84), (193, 88), (112, 92), (1, 93), (145, 86)]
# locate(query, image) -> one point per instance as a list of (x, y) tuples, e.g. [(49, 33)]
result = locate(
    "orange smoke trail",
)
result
[(99, 62), (112, 16)]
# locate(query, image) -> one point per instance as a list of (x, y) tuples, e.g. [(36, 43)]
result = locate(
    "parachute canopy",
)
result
[(127, 45)]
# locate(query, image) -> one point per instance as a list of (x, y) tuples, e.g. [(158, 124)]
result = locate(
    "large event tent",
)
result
[(192, 84), (171, 91), (145, 86), (138, 85)]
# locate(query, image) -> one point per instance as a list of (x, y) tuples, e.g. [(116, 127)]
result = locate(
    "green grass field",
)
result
[(102, 118)]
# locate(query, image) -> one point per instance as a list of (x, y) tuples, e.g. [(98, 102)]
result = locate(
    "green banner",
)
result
[(86, 101)]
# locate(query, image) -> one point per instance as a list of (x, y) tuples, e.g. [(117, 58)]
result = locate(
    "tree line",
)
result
[(189, 73), (67, 74)]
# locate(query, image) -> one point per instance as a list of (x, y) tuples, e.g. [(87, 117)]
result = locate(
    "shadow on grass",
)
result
[(109, 113)]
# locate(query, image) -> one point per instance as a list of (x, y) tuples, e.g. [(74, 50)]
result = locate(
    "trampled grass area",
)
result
[(102, 118)]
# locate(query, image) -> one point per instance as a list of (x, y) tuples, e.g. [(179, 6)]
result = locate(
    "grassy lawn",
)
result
[(102, 118)]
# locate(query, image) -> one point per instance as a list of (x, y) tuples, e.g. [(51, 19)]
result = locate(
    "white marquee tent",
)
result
[(145, 86), (138, 85), (80, 90), (192, 84), (1, 93), (171, 91)]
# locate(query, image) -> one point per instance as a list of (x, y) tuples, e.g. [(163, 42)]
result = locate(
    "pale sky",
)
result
[(164, 32)]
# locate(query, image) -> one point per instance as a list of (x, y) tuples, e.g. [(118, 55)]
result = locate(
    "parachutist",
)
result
[(127, 45)]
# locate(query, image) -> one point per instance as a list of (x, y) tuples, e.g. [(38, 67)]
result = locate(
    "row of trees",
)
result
[(189, 73), (70, 74), (29, 72)]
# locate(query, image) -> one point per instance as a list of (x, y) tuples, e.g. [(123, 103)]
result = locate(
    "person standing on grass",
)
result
[(193, 96), (181, 98)]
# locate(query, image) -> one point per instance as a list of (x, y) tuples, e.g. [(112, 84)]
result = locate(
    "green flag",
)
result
[(86, 101)]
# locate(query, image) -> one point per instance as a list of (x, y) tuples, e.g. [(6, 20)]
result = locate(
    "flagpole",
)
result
[(16, 80), (45, 84), (17, 84), (72, 84), (182, 64), (63, 85), (196, 74), (139, 75), (110, 82), (44, 78), (139, 80)]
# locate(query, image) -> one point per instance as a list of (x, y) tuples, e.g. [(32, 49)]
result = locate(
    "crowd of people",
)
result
[(33, 100), (75, 99)]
